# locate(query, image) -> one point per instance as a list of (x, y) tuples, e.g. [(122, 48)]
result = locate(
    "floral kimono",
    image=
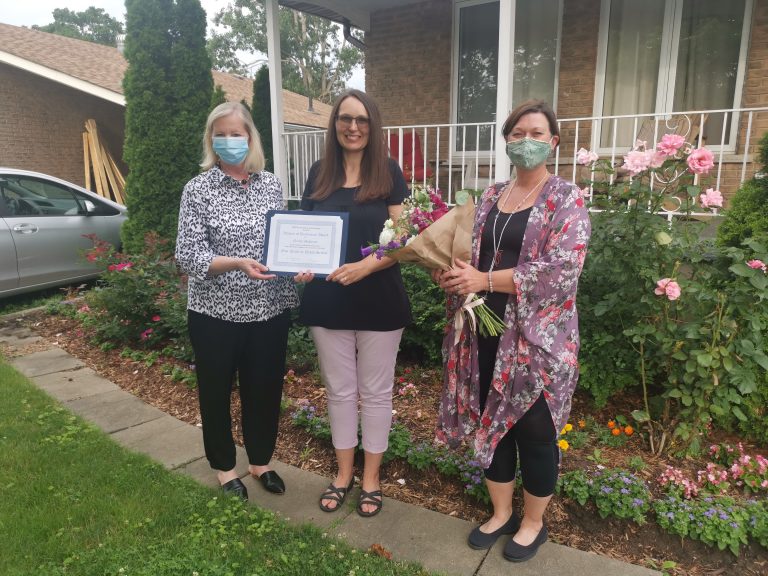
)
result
[(538, 351)]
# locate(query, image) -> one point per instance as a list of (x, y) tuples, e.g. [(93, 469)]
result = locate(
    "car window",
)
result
[(27, 196)]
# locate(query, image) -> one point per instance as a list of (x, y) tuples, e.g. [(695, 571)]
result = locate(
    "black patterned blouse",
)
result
[(221, 217)]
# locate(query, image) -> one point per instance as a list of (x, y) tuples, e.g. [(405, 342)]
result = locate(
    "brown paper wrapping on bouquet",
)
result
[(447, 238)]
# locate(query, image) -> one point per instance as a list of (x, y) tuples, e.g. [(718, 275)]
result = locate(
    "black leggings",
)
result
[(255, 351), (533, 437)]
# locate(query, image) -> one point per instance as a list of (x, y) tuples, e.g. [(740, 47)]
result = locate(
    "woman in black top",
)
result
[(358, 313)]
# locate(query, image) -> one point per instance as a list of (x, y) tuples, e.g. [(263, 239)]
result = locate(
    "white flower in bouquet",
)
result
[(387, 235)]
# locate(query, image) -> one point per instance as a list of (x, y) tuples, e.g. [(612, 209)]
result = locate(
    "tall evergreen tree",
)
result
[(168, 89), (261, 111), (219, 97)]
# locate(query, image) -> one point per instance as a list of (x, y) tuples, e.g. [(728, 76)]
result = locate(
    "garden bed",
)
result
[(570, 523)]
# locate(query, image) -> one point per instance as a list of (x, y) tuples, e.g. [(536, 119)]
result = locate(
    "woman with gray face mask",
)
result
[(528, 247)]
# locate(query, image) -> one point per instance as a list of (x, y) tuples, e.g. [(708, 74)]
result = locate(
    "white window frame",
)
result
[(457, 6), (665, 92)]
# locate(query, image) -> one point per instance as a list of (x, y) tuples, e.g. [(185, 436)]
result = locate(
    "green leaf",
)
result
[(693, 190), (641, 415), (728, 363), (675, 393), (761, 359), (462, 196), (738, 413), (704, 359), (715, 409), (741, 269), (759, 281), (687, 400)]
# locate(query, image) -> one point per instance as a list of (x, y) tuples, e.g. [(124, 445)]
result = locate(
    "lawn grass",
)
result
[(29, 300), (74, 502)]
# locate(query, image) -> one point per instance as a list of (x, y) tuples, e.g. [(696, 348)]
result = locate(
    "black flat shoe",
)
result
[(482, 541), (515, 552), (272, 482), (236, 488)]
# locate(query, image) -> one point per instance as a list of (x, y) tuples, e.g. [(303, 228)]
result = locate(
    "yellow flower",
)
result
[(563, 444), (568, 427)]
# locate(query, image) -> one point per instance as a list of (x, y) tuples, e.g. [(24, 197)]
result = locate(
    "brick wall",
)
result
[(42, 122), (755, 93), (408, 62), (578, 66)]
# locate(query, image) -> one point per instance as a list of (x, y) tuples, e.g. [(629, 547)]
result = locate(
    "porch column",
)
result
[(276, 92), (504, 82)]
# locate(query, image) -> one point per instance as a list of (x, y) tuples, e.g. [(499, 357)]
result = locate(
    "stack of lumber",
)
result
[(100, 167)]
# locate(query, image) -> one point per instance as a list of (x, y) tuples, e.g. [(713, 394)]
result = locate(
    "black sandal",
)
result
[(336, 495), (374, 498)]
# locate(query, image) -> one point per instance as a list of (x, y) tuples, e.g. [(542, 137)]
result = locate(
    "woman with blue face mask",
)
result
[(238, 313), (510, 395)]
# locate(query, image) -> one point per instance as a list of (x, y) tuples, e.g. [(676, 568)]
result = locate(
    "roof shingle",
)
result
[(104, 67)]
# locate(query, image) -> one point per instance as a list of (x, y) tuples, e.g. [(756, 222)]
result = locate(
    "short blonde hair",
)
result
[(254, 161)]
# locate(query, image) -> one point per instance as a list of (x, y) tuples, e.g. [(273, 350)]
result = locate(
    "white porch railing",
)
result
[(457, 156)]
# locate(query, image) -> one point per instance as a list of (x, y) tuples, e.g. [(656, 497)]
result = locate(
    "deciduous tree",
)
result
[(92, 24), (316, 59)]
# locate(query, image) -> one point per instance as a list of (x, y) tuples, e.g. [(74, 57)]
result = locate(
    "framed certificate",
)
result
[(297, 241)]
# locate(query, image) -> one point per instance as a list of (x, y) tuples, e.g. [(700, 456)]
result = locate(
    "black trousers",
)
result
[(255, 351), (533, 438)]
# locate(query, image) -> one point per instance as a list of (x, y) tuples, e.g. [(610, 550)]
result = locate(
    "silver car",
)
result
[(43, 221)]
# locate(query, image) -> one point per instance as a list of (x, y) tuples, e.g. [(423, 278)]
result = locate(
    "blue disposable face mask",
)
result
[(528, 153), (231, 150)]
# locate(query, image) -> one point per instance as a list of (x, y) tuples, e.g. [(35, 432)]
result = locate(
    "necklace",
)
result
[(497, 243)]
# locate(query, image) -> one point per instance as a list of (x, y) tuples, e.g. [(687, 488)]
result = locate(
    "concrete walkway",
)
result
[(436, 541)]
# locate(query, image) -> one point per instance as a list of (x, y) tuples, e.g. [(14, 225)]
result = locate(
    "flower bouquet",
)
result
[(431, 234)]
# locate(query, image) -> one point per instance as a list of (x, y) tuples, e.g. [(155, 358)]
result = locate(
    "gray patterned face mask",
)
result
[(528, 153)]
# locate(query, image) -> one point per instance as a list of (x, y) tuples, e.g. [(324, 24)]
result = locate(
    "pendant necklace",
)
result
[(497, 243)]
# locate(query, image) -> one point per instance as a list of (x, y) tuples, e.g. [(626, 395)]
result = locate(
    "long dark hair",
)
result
[(375, 178)]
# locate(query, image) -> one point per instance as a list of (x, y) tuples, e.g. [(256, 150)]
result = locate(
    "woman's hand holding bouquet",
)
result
[(430, 234)]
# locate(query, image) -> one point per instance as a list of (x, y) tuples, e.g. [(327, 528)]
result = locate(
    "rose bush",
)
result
[(666, 311)]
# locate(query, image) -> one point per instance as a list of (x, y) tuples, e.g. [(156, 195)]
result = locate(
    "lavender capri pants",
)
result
[(358, 364)]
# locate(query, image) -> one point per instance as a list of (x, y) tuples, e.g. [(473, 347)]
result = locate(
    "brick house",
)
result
[(449, 71), (50, 85)]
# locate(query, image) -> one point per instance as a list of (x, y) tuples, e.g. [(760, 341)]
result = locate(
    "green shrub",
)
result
[(698, 356), (139, 299), (746, 215), (422, 340)]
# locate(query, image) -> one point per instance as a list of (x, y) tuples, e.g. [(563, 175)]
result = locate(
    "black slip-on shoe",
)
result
[(237, 488), (272, 482), (482, 540), (515, 552)]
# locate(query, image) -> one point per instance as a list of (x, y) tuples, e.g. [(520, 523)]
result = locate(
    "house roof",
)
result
[(98, 70)]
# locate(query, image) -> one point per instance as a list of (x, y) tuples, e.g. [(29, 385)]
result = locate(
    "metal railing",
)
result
[(456, 156)]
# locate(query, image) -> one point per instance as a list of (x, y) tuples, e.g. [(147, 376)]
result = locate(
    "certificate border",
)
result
[(344, 216)]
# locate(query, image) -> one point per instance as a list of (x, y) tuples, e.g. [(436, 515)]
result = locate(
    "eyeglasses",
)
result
[(362, 122)]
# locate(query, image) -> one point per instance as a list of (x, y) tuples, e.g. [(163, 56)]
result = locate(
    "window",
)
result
[(476, 41), (664, 56), (25, 196)]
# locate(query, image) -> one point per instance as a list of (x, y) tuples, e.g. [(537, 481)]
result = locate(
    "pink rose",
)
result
[(701, 161), (585, 157), (670, 144), (668, 287), (757, 265), (656, 158), (637, 161), (156, 318), (711, 198)]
